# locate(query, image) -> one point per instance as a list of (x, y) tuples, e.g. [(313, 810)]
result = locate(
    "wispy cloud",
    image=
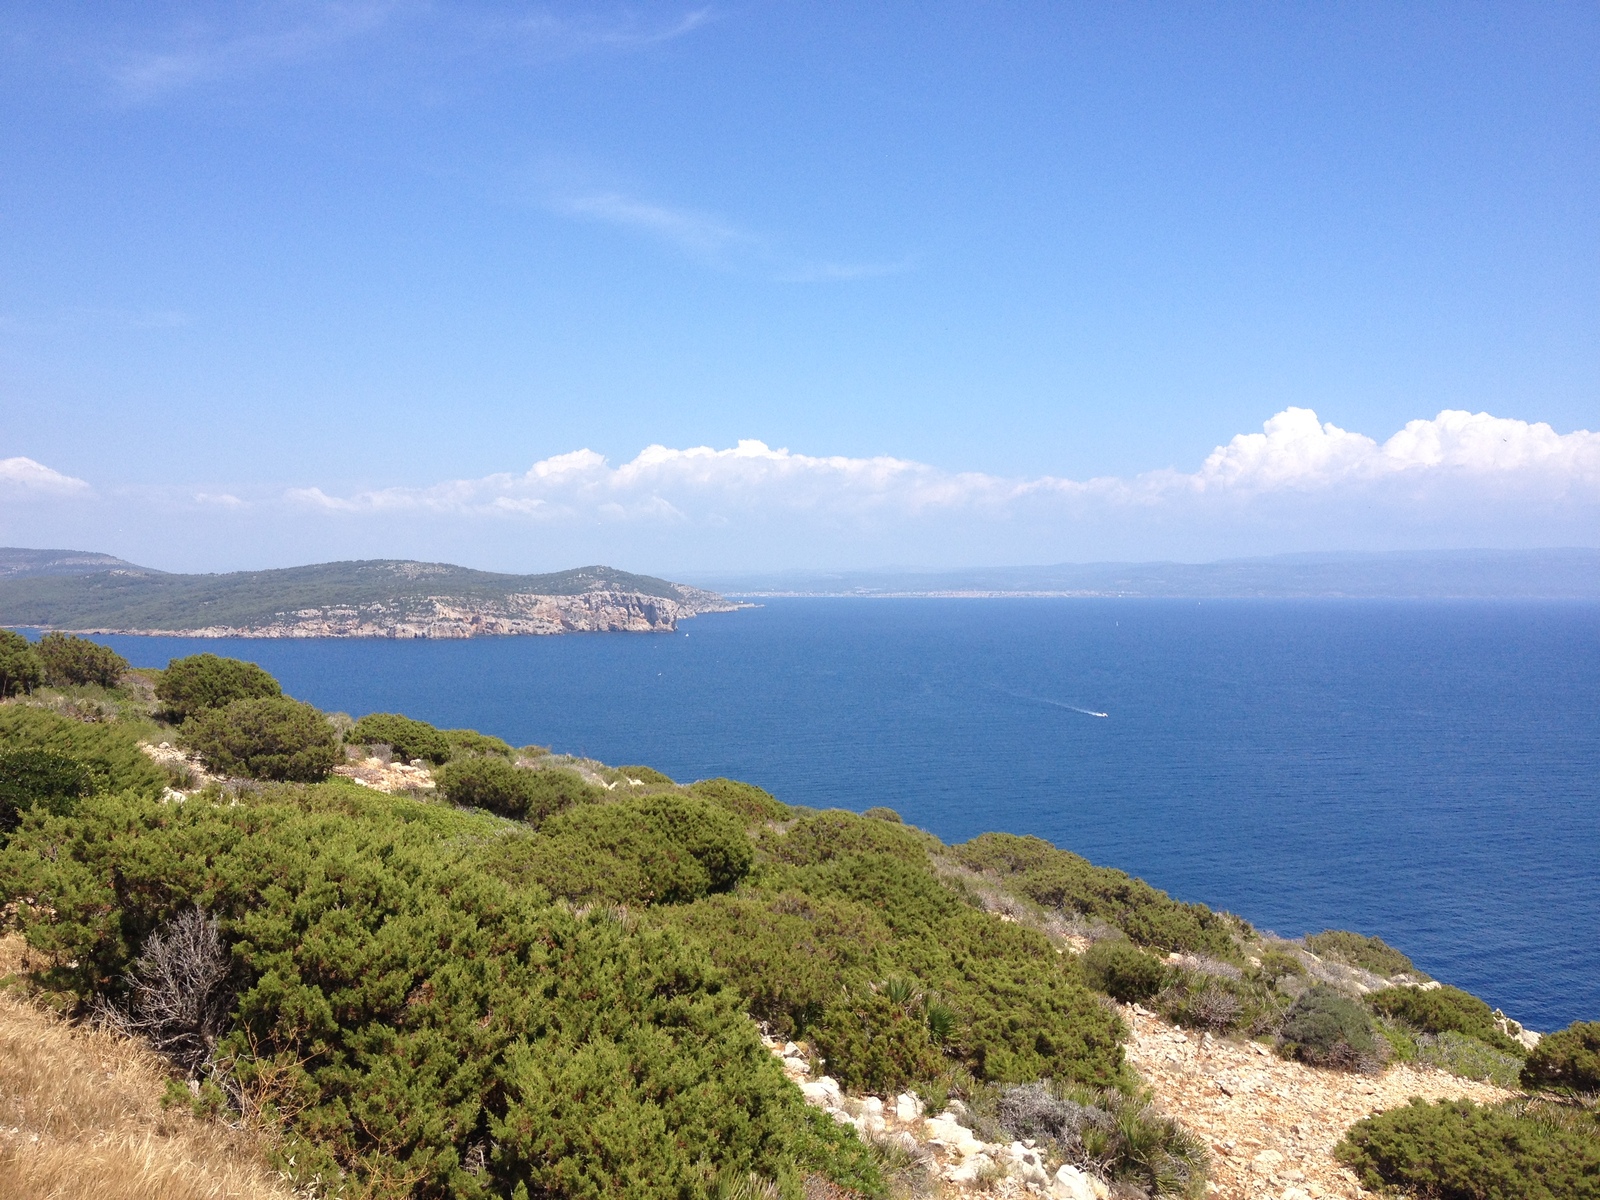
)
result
[(715, 240), (219, 500), (695, 232), (618, 31), (24, 475), (844, 272), (197, 52), (218, 49)]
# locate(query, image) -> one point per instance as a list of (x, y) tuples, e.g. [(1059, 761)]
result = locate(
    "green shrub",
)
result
[(883, 814), (1468, 1057), (109, 753), (825, 836), (907, 897), (1457, 1150), (418, 1024), (658, 849), (1025, 1011), (41, 779), (789, 953), (193, 685), (1445, 1010), (1369, 953), (1123, 971), (499, 786), (1060, 880), (20, 667), (408, 739), (1568, 1060), (873, 1044), (1279, 964), (270, 738), (467, 743), (1324, 1028), (70, 661), (745, 799)]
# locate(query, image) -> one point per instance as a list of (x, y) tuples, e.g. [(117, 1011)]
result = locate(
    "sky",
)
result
[(763, 285)]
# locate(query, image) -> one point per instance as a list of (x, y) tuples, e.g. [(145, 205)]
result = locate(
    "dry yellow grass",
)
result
[(81, 1117)]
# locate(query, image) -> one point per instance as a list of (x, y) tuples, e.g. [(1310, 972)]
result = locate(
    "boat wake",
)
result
[(1088, 712)]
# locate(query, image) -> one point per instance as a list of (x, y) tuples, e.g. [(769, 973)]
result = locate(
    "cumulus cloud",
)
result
[(1295, 450), (1295, 454), (27, 476)]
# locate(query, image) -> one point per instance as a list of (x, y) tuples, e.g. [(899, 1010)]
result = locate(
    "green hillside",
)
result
[(124, 600)]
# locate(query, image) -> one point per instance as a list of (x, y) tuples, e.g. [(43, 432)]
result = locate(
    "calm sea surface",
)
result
[(1429, 772)]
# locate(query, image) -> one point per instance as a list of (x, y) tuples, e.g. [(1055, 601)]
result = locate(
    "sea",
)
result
[(1425, 771)]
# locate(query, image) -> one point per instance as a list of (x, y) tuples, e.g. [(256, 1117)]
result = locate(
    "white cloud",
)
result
[(26, 475), (1295, 455), (1295, 450), (1456, 480)]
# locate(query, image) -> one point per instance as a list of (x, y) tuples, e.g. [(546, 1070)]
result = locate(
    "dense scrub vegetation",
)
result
[(273, 737), (499, 786), (415, 1019), (20, 667), (70, 661), (1369, 953), (1327, 1029), (1445, 1010), (108, 754), (1060, 880), (1567, 1060), (1457, 1150), (190, 686), (409, 739), (1123, 971)]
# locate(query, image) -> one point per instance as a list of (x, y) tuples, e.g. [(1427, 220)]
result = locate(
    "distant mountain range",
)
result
[(85, 592), (1464, 574)]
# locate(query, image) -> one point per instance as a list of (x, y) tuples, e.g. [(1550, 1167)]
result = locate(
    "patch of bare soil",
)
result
[(1271, 1125), (388, 777)]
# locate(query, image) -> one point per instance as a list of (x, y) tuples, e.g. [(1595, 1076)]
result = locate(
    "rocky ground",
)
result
[(1271, 1125)]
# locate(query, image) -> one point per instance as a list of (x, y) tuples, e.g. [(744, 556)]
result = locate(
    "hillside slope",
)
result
[(371, 598)]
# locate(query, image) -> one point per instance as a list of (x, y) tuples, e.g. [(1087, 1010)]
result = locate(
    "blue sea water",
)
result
[(1429, 772)]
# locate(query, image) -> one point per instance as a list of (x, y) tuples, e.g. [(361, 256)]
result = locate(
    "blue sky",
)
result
[(1010, 282)]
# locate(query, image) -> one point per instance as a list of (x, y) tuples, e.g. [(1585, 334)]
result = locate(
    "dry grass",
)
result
[(81, 1116)]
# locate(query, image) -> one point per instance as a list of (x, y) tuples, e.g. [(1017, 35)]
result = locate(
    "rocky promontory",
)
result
[(383, 598)]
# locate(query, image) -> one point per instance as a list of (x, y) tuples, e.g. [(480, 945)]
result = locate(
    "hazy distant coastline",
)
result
[(1560, 574)]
